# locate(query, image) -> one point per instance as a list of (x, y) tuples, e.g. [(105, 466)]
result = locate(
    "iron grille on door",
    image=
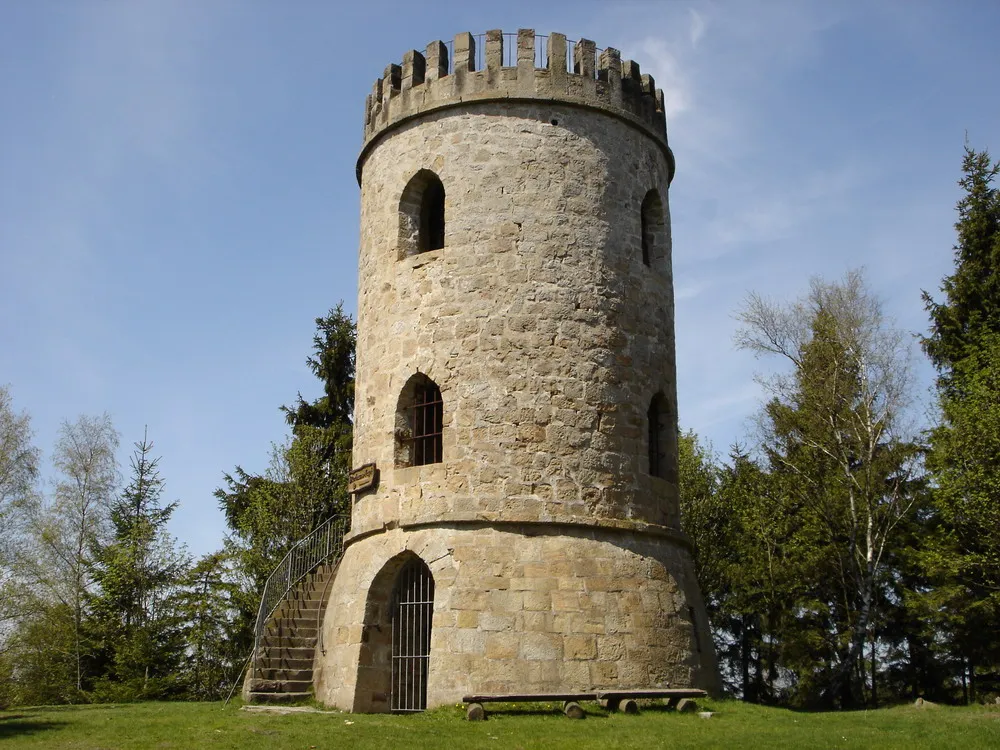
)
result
[(412, 609)]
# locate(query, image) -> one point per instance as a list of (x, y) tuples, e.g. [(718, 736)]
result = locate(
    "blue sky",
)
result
[(178, 199)]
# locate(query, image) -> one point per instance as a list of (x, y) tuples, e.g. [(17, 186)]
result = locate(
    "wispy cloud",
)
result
[(661, 61), (697, 28)]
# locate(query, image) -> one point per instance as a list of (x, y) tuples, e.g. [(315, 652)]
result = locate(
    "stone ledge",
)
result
[(482, 520)]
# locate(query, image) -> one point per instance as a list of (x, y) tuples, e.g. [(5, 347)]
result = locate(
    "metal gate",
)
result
[(412, 608)]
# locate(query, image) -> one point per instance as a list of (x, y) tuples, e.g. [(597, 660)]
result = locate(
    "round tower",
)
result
[(515, 387)]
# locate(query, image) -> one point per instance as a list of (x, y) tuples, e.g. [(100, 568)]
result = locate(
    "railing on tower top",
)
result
[(510, 51), (323, 543)]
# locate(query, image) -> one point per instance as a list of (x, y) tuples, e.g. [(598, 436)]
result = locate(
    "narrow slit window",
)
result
[(694, 627), (656, 420), (432, 217), (651, 229), (646, 240)]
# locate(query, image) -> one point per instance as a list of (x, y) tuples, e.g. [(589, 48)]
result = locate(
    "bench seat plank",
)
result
[(590, 696), (654, 693)]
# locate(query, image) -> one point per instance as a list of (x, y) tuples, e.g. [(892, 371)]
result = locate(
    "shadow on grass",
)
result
[(512, 710), (14, 725)]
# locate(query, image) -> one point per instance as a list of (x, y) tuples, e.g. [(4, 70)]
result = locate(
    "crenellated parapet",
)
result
[(525, 67)]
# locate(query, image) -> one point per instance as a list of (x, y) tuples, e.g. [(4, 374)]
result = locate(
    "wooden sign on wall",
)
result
[(362, 478)]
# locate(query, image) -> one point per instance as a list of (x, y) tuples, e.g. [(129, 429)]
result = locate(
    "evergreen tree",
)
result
[(319, 456), (137, 574), (208, 604), (306, 482), (964, 345), (971, 307)]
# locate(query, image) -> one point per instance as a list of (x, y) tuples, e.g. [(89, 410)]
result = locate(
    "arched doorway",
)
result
[(411, 612), (396, 637)]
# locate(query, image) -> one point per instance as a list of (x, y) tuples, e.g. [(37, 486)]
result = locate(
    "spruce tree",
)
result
[(971, 307), (138, 573), (964, 345)]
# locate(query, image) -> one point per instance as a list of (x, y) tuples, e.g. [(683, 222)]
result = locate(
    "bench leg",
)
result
[(686, 705), (670, 702), (630, 706), (475, 712), (573, 710)]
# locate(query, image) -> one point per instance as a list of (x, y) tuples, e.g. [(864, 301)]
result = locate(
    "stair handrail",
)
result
[(321, 544)]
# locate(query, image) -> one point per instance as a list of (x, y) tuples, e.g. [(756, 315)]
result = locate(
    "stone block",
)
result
[(502, 645), (580, 647)]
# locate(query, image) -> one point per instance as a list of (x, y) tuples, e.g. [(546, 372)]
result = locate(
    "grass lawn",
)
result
[(734, 725)]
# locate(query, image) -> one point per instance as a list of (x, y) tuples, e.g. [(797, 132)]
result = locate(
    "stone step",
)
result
[(280, 686), (284, 653), (289, 625), (284, 674), (264, 663), (294, 641), (278, 647), (278, 697), (309, 598), (298, 611)]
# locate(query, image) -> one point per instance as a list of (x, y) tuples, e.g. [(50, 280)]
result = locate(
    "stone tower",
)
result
[(515, 387)]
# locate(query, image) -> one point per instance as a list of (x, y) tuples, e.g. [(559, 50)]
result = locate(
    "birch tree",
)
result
[(76, 518), (835, 427), (19, 461)]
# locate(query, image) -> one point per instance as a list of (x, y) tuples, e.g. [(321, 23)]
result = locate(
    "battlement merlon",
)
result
[(426, 83)]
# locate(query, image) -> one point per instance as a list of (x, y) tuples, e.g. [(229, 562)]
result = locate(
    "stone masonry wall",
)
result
[(546, 333), (525, 608)]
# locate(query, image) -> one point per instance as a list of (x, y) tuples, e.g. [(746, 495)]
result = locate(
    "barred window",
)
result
[(419, 423), (426, 425), (656, 420)]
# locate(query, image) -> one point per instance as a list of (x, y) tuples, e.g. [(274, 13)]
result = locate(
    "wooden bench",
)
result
[(681, 699)]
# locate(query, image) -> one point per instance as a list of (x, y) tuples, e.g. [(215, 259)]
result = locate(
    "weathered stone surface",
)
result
[(557, 557), (687, 705)]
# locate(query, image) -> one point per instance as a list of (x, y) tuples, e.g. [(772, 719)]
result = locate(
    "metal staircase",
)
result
[(290, 616)]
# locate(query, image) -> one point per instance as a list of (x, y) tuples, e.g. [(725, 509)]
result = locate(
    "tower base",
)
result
[(518, 607)]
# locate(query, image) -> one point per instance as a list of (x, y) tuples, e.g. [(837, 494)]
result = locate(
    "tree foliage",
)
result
[(963, 558), (19, 466), (306, 481), (208, 604), (137, 573), (834, 433), (971, 306)]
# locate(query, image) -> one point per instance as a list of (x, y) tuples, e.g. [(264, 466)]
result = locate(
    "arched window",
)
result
[(419, 423), (421, 214), (656, 420), (651, 228)]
